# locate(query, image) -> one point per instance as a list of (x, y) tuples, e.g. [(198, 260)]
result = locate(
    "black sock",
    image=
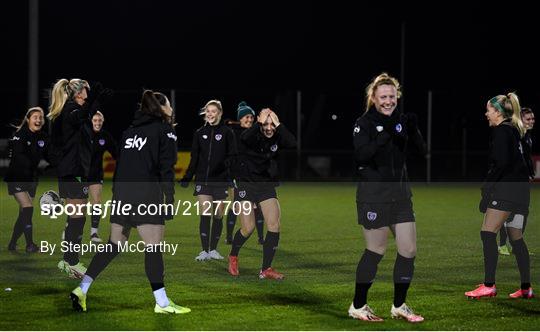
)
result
[(269, 249), (95, 220), (231, 221), (73, 235), (491, 255), (259, 223), (237, 243), (365, 274), (217, 228), (26, 216), (153, 265), (18, 229), (102, 259), (403, 274), (502, 236), (204, 232), (520, 250)]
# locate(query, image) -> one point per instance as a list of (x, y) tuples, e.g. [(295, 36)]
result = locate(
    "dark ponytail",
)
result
[(152, 103)]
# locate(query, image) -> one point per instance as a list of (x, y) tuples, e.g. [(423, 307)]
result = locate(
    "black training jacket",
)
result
[(72, 150), (212, 151), (145, 165), (380, 150), (508, 175), (26, 148), (258, 153), (527, 143), (100, 142)]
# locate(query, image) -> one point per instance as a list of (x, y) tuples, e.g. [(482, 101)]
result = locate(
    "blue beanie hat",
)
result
[(243, 110)]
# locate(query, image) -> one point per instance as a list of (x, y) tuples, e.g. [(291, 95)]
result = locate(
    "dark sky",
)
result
[(263, 51), (272, 44)]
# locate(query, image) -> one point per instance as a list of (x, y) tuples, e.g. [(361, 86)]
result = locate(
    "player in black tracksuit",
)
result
[(27, 147), (527, 117), (382, 137), (245, 117), (72, 105), (101, 140), (212, 150), (257, 175), (506, 192), (144, 176)]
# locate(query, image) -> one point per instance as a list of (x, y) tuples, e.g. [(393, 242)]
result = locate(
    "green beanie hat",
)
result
[(243, 110)]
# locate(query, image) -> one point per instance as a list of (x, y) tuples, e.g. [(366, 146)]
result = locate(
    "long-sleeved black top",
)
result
[(380, 150), (212, 151), (145, 165), (258, 153), (508, 175), (27, 148)]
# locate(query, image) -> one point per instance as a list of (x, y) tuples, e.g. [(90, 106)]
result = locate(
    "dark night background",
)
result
[(265, 51)]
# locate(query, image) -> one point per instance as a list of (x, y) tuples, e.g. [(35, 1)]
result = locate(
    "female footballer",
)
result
[(27, 147), (212, 149), (505, 192), (144, 177), (383, 197), (257, 181)]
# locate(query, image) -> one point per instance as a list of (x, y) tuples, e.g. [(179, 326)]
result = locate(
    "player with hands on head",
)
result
[(257, 173)]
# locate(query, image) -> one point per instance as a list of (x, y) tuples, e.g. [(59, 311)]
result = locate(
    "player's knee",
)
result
[(247, 230), (380, 249), (407, 250), (273, 226)]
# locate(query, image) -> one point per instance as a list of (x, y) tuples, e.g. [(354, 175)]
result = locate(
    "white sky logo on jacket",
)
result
[(135, 143), (171, 136)]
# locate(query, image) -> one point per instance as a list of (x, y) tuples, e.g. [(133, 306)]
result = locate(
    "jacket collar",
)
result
[(144, 118)]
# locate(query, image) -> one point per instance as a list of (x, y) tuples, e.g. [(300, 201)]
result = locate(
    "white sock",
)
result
[(93, 230), (161, 297), (85, 283)]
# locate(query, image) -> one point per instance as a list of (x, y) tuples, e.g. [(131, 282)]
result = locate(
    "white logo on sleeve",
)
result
[(135, 143), (379, 128), (274, 148), (399, 128), (171, 136), (356, 129), (204, 136)]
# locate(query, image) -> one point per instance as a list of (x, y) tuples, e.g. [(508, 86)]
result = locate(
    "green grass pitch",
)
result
[(319, 249)]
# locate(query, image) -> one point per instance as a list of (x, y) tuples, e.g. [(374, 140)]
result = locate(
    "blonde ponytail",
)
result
[(516, 113), (62, 91), (59, 97)]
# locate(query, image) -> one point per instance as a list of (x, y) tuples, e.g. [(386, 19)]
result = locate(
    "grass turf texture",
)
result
[(319, 250)]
